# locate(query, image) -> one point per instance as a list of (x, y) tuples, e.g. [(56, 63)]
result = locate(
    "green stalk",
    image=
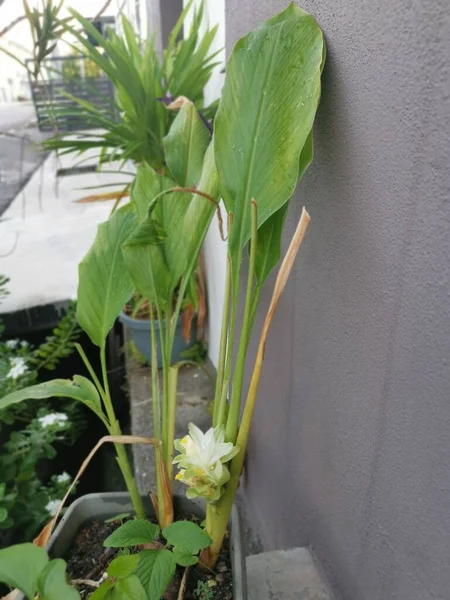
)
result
[(223, 348), (217, 516), (223, 403), (238, 377), (122, 457), (156, 410), (172, 404), (92, 373)]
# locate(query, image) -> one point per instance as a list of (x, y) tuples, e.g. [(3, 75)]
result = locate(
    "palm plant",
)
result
[(143, 85)]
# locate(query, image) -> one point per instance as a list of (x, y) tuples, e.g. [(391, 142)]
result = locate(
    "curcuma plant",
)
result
[(261, 146)]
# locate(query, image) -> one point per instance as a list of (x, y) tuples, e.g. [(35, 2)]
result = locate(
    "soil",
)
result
[(88, 559)]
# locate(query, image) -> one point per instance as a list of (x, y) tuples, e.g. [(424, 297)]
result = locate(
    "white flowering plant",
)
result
[(28, 499), (32, 432)]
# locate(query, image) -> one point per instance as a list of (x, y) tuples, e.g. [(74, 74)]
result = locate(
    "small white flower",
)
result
[(12, 344), (24, 344), (63, 478), (52, 506), (202, 461), (18, 367), (52, 419)]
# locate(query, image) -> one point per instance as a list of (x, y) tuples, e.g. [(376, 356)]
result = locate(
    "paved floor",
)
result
[(45, 233)]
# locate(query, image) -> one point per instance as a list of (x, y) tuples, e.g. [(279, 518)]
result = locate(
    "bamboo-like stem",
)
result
[(223, 404), (91, 371), (122, 457), (223, 348), (238, 377), (217, 516), (172, 405), (156, 406)]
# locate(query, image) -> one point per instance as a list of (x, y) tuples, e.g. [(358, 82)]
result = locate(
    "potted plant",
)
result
[(136, 319), (262, 145), (144, 86)]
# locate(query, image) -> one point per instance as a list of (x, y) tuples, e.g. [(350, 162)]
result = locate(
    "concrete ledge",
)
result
[(286, 575), (195, 391)]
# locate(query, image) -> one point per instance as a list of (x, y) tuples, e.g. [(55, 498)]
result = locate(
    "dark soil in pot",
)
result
[(89, 559)]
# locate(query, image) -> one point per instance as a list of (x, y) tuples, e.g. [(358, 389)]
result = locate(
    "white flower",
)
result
[(24, 344), (52, 419), (12, 344), (63, 478), (52, 506), (18, 367), (201, 460)]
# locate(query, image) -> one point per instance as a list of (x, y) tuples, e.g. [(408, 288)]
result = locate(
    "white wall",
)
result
[(215, 248)]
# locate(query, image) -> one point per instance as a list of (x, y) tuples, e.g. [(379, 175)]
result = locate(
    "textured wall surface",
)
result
[(350, 450)]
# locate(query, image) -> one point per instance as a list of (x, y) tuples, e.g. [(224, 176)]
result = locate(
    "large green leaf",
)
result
[(185, 146), (80, 389), (20, 567), (146, 262), (187, 535), (123, 566), (52, 582), (128, 589), (154, 259), (147, 185), (155, 571), (132, 533), (269, 100), (105, 284), (268, 251), (201, 210)]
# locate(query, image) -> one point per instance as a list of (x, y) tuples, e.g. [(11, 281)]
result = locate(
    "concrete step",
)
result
[(285, 575)]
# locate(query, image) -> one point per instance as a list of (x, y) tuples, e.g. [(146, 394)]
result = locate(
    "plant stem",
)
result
[(238, 377), (92, 373), (172, 405), (217, 516), (122, 457), (223, 347), (156, 405)]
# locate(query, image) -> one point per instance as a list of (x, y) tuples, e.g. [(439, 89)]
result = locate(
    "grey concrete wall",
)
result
[(350, 451)]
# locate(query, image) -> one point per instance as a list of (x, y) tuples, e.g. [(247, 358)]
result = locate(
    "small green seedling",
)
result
[(151, 569), (203, 591)]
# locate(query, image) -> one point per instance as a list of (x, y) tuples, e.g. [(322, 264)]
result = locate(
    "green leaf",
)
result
[(147, 185), (268, 251), (200, 212), (20, 567), (105, 284), (147, 233), (147, 266), (155, 571), (184, 558), (187, 535), (102, 590), (79, 389), (185, 146), (156, 271), (123, 566), (52, 582), (132, 533), (3, 514), (267, 109), (129, 589)]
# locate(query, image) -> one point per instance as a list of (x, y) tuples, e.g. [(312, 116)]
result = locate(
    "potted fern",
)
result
[(262, 145)]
